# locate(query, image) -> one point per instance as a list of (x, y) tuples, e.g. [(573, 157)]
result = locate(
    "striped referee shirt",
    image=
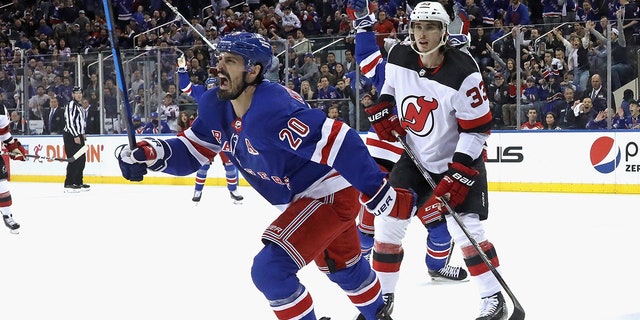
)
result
[(75, 119)]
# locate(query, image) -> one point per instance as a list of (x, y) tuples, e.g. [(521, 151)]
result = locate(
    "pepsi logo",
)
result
[(605, 155)]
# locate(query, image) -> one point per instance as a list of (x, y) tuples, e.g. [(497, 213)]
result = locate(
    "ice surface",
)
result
[(146, 252)]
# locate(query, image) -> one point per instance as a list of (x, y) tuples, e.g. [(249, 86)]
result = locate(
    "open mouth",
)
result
[(423, 44), (224, 82)]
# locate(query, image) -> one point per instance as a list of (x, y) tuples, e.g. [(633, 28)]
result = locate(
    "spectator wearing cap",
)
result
[(212, 34), (289, 21), (366, 101), (74, 138), (309, 70), (156, 125), (83, 21), (138, 124), (196, 21)]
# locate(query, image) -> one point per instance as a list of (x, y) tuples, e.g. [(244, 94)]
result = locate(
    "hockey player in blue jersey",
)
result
[(231, 172), (386, 154), (443, 114), (315, 170)]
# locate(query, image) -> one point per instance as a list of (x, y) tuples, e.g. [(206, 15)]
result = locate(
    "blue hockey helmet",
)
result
[(211, 81), (254, 48), (136, 118), (153, 114)]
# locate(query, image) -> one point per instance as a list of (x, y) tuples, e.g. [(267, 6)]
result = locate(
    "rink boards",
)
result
[(544, 161)]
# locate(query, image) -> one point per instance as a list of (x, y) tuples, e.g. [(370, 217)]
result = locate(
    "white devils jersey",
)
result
[(444, 110)]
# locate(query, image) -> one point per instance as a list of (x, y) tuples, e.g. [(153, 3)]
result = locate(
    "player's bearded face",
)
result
[(231, 71)]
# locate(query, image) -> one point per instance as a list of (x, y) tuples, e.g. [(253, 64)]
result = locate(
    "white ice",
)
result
[(147, 252)]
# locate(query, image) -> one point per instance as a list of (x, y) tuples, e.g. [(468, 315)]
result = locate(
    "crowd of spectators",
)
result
[(563, 53)]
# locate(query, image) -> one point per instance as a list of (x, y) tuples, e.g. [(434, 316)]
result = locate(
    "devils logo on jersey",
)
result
[(417, 115)]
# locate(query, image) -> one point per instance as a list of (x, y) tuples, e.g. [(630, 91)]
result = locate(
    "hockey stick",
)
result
[(73, 158), (122, 84), (177, 13), (518, 311)]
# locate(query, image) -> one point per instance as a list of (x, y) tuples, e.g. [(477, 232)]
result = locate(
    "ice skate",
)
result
[(11, 224), (236, 196), (493, 308), (196, 196), (72, 188), (449, 274), (85, 187), (385, 312)]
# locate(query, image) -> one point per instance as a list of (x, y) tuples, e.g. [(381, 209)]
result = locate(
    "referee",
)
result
[(74, 139)]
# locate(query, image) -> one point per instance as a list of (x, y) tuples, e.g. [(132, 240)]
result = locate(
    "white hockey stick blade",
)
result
[(78, 154)]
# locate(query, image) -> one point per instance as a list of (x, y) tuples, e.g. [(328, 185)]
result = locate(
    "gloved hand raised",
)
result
[(361, 13), (456, 184), (182, 63), (394, 202), (149, 153), (384, 120), (16, 150)]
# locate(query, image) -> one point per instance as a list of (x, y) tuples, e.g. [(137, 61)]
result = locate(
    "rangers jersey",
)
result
[(284, 149)]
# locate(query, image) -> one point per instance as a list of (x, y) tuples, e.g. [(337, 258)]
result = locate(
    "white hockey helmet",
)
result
[(429, 11)]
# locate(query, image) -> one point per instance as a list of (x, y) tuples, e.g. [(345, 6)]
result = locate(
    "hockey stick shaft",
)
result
[(122, 84), (177, 13), (518, 312), (73, 158)]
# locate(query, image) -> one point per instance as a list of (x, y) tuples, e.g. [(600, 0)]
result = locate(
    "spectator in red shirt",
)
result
[(383, 29), (533, 123)]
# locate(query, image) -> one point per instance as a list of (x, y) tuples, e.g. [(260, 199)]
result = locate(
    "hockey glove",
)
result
[(456, 184), (431, 212), (385, 121), (16, 150), (361, 13), (182, 64), (149, 153), (394, 202)]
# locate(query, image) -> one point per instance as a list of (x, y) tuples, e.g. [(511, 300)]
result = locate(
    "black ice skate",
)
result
[(72, 188), (448, 273), (493, 308), (10, 223), (196, 196), (85, 187), (385, 312), (236, 196)]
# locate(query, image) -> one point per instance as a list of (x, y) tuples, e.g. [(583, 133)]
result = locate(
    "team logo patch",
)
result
[(417, 114), (605, 155)]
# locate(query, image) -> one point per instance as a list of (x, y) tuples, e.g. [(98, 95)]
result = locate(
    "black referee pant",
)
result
[(75, 168)]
